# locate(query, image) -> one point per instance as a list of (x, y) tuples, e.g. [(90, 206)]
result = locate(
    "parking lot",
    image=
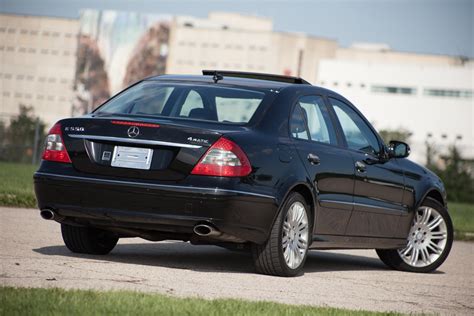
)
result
[(33, 255)]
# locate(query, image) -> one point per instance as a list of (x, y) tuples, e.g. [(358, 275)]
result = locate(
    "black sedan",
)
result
[(240, 160)]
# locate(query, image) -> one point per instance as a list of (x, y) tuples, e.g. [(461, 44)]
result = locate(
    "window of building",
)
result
[(50, 97), (44, 51), (30, 78), (20, 77), (11, 31), (54, 52), (55, 34), (2, 48), (66, 53), (33, 32), (18, 94), (6, 94), (23, 31), (10, 49), (448, 93), (3, 29), (7, 76), (52, 80), (31, 50), (45, 33), (394, 90), (68, 35), (22, 50), (39, 96)]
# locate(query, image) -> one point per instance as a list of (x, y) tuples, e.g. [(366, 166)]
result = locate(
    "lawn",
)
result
[(16, 189), (36, 301), (16, 185)]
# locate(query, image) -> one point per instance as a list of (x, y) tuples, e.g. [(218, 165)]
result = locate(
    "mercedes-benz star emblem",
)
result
[(133, 131)]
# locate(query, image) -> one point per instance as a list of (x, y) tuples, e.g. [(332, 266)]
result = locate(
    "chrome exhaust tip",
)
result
[(206, 230), (47, 214)]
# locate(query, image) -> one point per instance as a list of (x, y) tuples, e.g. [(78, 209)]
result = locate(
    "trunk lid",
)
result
[(131, 147)]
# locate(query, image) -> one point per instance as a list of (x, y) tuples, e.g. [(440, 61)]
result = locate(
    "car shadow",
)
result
[(181, 255)]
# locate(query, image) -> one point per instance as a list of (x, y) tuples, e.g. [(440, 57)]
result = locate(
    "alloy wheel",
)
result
[(427, 238), (295, 235)]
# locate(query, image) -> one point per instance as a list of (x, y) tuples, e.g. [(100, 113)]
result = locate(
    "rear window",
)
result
[(201, 102)]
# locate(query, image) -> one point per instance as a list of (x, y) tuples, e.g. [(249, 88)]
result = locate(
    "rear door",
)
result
[(379, 183), (329, 166)]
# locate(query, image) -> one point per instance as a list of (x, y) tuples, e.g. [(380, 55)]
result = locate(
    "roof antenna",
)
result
[(217, 77)]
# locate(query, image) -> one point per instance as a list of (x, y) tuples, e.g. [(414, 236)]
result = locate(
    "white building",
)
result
[(430, 96), (37, 63)]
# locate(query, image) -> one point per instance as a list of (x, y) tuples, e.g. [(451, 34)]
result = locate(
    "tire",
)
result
[(269, 258), (435, 254), (88, 240)]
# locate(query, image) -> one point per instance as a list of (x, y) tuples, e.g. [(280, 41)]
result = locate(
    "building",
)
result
[(37, 65), (230, 41), (428, 95)]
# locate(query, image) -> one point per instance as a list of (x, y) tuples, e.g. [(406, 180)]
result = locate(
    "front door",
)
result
[(379, 183), (329, 166)]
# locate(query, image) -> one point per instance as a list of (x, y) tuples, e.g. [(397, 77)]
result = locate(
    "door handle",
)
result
[(314, 159), (360, 166)]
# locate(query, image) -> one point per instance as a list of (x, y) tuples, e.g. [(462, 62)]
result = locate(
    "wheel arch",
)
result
[(434, 194)]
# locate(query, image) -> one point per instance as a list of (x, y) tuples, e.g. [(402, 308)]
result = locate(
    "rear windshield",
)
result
[(202, 102)]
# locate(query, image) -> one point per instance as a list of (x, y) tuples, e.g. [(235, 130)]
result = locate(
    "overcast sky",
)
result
[(424, 26)]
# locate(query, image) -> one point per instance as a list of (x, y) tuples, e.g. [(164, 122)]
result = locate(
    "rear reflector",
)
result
[(223, 159), (135, 124), (54, 148)]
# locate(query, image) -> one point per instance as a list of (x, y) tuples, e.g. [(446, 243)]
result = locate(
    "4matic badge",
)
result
[(198, 140)]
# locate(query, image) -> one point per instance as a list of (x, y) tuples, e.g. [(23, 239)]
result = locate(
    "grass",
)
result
[(16, 189), (37, 301), (462, 215), (16, 185)]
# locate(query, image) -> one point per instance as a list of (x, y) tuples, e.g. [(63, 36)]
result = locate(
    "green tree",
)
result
[(454, 172), (18, 140), (402, 135)]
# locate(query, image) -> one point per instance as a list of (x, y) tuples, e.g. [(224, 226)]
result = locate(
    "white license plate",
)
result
[(132, 157)]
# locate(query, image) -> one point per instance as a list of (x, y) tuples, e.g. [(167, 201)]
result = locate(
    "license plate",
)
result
[(132, 157)]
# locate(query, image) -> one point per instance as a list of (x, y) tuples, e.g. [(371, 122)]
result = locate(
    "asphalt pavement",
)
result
[(32, 254)]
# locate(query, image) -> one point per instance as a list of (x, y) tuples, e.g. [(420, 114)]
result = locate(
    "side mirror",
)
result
[(398, 149)]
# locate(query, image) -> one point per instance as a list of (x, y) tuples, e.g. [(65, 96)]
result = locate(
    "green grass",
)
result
[(16, 185), (462, 215), (16, 189), (35, 301)]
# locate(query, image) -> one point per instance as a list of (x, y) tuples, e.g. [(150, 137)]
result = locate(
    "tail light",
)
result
[(223, 159), (54, 148)]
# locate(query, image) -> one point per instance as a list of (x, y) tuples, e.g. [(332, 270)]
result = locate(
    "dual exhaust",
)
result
[(47, 214), (209, 231)]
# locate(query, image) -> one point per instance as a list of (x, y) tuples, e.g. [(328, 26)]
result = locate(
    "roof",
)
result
[(238, 79)]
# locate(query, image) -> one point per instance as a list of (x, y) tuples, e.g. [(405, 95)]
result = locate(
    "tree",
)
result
[(19, 136), (454, 172), (402, 135)]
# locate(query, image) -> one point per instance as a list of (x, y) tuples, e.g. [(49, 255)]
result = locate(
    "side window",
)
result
[(298, 127), (311, 116), (193, 101), (358, 134)]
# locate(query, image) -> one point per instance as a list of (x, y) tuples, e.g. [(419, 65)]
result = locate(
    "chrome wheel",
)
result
[(294, 240), (427, 238)]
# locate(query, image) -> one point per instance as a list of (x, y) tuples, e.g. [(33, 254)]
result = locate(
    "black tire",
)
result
[(268, 257), (88, 240), (392, 258)]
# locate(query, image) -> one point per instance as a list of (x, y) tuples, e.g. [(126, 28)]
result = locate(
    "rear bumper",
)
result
[(154, 206)]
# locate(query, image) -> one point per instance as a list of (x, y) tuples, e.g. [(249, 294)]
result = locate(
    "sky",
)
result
[(421, 26)]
